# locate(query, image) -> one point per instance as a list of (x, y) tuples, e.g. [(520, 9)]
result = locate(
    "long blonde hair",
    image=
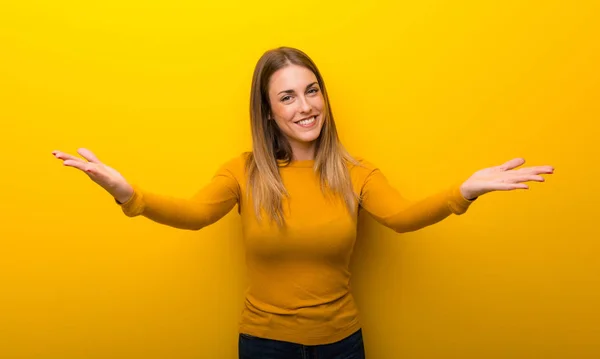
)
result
[(270, 147)]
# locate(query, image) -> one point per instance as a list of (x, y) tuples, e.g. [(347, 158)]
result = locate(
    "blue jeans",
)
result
[(251, 347)]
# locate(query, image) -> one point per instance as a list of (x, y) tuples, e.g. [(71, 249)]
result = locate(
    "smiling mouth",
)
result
[(307, 121)]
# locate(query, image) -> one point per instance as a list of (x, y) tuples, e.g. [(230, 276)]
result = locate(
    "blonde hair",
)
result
[(270, 147)]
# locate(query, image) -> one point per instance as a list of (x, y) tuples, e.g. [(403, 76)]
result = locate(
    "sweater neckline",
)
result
[(296, 163)]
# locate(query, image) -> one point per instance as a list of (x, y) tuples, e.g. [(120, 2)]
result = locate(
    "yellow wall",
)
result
[(429, 90)]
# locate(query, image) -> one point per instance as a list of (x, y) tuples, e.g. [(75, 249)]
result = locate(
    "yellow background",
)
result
[(430, 91)]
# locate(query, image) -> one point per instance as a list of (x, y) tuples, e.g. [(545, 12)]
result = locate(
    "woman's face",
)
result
[(297, 105)]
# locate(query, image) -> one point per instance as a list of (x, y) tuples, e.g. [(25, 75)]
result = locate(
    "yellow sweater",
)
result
[(299, 277)]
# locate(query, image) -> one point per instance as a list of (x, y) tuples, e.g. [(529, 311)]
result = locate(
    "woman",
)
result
[(298, 194)]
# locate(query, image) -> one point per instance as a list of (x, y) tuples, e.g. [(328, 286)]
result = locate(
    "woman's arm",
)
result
[(207, 206), (391, 209), (388, 207)]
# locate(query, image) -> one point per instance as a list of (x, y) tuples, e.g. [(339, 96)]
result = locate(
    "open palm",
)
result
[(107, 177), (504, 177)]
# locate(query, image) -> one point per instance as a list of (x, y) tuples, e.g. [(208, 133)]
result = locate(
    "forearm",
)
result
[(190, 214), (412, 216)]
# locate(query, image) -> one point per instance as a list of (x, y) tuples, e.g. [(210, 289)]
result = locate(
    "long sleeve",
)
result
[(389, 208), (208, 205)]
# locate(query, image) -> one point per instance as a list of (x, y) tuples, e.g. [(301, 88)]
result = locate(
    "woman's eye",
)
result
[(313, 90), (285, 98)]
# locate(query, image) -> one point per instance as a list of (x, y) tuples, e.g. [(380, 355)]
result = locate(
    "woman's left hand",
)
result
[(503, 178)]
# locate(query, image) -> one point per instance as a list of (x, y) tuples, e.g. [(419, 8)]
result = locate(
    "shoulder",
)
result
[(236, 166), (361, 170), (361, 166)]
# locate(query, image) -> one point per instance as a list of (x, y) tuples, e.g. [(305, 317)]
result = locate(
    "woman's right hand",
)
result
[(107, 177)]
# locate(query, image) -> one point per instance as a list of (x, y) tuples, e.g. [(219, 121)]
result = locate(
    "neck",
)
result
[(303, 151)]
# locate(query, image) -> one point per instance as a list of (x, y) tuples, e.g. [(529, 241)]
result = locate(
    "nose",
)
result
[(305, 106)]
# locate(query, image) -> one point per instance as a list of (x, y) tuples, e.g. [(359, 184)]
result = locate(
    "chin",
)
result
[(308, 136)]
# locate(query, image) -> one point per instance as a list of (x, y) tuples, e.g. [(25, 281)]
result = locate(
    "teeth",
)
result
[(307, 122)]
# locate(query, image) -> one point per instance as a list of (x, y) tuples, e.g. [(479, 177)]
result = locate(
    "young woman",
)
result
[(298, 194)]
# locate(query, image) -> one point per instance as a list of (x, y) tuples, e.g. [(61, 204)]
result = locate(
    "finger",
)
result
[(88, 155), (543, 169), (78, 163), (91, 169), (510, 186), (65, 156), (515, 162), (527, 178), (536, 170)]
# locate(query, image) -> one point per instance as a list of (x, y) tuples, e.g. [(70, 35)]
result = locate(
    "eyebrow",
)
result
[(292, 91)]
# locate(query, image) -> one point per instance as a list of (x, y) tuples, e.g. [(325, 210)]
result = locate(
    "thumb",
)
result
[(509, 165)]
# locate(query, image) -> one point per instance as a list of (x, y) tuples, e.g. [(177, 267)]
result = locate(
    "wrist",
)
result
[(125, 196), (468, 195)]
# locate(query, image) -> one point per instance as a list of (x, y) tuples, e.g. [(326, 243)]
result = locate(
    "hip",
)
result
[(253, 347)]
